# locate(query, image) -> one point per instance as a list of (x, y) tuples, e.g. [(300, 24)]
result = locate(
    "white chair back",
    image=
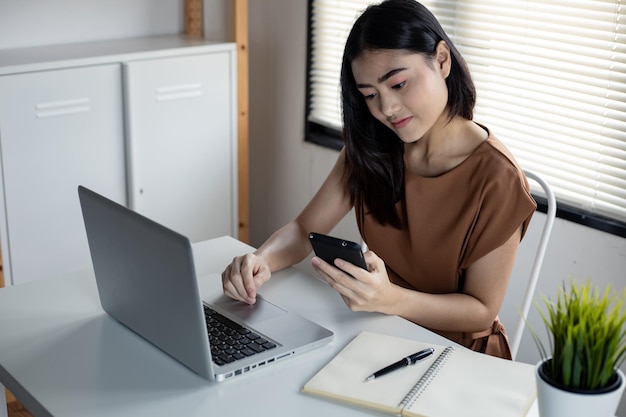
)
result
[(516, 336)]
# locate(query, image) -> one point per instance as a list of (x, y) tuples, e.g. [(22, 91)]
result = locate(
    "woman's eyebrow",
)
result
[(383, 78)]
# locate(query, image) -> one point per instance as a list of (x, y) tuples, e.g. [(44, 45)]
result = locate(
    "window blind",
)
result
[(550, 77)]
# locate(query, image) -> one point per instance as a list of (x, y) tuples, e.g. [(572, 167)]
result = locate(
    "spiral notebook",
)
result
[(453, 382)]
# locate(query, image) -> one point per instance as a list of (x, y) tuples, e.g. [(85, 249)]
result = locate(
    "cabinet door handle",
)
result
[(62, 107), (178, 92)]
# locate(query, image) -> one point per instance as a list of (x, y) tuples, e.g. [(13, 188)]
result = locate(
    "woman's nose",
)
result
[(389, 105)]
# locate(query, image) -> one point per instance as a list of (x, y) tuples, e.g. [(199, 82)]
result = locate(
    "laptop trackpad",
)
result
[(260, 311)]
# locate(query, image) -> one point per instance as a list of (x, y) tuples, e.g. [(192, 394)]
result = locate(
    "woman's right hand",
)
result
[(244, 276)]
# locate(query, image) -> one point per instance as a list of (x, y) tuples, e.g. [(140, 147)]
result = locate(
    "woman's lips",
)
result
[(401, 123)]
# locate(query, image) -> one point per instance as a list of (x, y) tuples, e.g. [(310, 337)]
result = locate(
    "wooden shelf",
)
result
[(193, 18), (241, 38)]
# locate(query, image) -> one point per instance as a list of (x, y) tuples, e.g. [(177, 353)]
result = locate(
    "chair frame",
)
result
[(539, 256)]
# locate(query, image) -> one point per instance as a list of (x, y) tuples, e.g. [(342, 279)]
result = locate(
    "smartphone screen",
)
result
[(330, 248)]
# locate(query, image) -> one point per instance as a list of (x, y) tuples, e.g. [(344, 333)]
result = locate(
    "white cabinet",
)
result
[(148, 122), (181, 154), (58, 129)]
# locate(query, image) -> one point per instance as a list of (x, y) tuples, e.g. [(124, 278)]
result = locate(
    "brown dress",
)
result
[(452, 220)]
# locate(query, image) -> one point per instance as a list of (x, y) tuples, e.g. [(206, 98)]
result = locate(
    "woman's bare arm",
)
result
[(290, 244)]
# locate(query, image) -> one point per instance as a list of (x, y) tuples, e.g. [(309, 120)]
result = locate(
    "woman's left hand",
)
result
[(361, 290)]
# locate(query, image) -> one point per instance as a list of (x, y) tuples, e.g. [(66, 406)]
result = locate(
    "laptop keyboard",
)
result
[(231, 341)]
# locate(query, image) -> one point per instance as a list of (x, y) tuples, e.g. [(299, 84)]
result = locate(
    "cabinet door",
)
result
[(58, 129), (182, 149)]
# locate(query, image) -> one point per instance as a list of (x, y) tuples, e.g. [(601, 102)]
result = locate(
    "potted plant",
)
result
[(580, 375)]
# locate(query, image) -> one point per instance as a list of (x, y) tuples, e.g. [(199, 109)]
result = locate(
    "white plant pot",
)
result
[(556, 402)]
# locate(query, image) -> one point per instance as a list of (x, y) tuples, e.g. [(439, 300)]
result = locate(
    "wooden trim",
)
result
[(241, 37), (10, 397), (193, 18)]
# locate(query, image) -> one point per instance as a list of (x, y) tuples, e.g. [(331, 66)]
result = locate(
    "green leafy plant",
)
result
[(587, 332)]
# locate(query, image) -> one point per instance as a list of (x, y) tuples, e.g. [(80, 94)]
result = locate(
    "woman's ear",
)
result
[(443, 58)]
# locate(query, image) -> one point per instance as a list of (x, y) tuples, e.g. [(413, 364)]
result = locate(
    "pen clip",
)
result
[(416, 357)]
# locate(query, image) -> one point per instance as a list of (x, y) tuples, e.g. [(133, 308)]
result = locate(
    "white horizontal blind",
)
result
[(331, 22), (550, 78)]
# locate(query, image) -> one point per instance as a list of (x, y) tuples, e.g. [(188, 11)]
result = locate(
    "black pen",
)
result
[(409, 360)]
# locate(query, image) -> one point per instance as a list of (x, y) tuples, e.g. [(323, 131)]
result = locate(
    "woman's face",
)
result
[(404, 90)]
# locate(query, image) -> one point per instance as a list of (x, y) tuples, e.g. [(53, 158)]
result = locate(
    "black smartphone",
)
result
[(330, 248)]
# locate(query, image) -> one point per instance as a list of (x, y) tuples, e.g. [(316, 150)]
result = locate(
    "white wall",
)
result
[(25, 23), (42, 22), (285, 171)]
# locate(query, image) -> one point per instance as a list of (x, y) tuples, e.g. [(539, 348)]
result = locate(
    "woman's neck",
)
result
[(444, 148)]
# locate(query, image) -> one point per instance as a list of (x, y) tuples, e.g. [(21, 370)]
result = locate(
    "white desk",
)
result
[(61, 355)]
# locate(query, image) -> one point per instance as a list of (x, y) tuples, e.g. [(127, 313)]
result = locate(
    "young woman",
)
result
[(440, 202)]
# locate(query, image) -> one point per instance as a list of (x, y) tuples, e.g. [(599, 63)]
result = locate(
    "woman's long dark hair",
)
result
[(374, 154)]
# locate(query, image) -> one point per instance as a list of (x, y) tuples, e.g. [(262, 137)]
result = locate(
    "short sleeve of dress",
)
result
[(505, 204)]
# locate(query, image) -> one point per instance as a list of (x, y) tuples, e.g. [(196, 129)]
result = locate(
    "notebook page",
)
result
[(343, 378), (472, 384)]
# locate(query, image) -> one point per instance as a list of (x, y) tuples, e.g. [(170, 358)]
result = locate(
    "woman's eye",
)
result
[(369, 96), (399, 85)]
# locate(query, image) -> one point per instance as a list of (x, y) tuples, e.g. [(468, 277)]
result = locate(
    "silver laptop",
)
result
[(146, 280)]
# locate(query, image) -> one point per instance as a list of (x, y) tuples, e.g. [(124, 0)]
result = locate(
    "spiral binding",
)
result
[(421, 385)]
